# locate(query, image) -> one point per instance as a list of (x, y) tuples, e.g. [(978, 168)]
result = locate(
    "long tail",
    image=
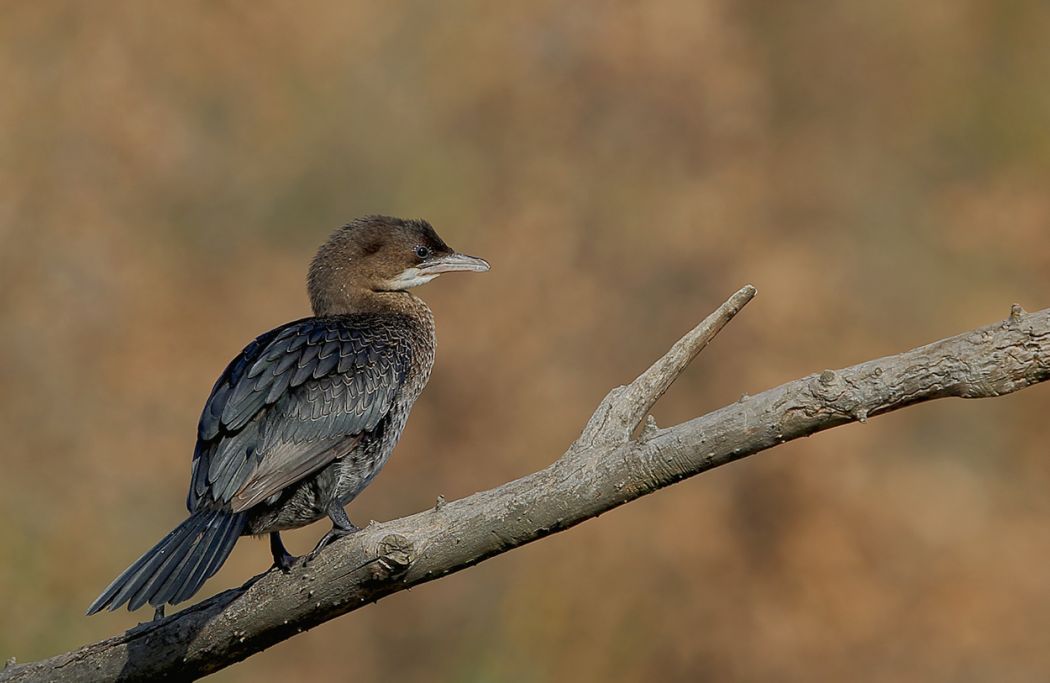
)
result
[(176, 568)]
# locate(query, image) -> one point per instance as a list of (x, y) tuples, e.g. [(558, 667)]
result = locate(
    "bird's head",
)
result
[(380, 254)]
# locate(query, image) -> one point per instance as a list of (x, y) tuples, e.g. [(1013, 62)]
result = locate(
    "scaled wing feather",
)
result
[(294, 400)]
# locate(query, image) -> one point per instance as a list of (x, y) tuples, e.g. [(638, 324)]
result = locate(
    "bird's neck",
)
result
[(351, 301)]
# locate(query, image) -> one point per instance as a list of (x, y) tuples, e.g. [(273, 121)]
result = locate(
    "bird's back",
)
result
[(308, 413)]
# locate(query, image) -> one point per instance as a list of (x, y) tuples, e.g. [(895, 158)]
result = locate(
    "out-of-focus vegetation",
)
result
[(880, 171)]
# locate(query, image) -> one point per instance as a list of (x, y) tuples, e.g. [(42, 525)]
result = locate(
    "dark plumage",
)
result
[(306, 415)]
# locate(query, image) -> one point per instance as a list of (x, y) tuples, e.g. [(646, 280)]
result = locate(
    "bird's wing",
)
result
[(293, 401)]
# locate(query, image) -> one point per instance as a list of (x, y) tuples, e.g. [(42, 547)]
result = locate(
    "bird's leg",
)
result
[(158, 612), (341, 526), (282, 559)]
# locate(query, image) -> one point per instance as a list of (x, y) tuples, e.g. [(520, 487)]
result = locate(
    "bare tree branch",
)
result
[(605, 468)]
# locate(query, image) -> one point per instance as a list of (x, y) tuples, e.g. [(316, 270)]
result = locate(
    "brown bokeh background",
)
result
[(880, 171)]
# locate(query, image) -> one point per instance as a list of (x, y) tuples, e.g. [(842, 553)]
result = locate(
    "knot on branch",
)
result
[(394, 555), (828, 386), (833, 393), (649, 428)]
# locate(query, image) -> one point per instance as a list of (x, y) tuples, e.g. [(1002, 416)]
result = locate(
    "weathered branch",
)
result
[(603, 469)]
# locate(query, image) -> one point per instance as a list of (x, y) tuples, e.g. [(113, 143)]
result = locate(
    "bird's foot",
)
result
[(335, 533), (158, 612), (285, 562), (341, 526), (282, 559)]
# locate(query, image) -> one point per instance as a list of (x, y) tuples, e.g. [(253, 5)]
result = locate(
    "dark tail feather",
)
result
[(176, 568)]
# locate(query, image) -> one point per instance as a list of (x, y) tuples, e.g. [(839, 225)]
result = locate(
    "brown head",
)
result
[(379, 254)]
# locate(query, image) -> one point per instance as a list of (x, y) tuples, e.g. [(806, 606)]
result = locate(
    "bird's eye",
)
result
[(422, 252)]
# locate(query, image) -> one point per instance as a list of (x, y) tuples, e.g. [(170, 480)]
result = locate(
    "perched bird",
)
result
[(305, 416)]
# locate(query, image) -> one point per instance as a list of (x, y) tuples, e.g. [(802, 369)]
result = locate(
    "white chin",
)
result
[(410, 278)]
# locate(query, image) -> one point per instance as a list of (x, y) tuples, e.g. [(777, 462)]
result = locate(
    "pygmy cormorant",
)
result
[(306, 415)]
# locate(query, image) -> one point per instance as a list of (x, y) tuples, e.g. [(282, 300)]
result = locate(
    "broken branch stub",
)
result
[(624, 408)]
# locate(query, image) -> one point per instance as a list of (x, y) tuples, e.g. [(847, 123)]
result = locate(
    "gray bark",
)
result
[(606, 467)]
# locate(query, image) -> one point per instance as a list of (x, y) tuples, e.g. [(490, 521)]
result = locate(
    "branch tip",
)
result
[(624, 408)]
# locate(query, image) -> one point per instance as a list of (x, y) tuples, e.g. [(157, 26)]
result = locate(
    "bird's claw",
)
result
[(285, 562), (334, 534), (282, 559)]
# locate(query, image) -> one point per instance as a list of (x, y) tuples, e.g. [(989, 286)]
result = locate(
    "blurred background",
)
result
[(878, 170)]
